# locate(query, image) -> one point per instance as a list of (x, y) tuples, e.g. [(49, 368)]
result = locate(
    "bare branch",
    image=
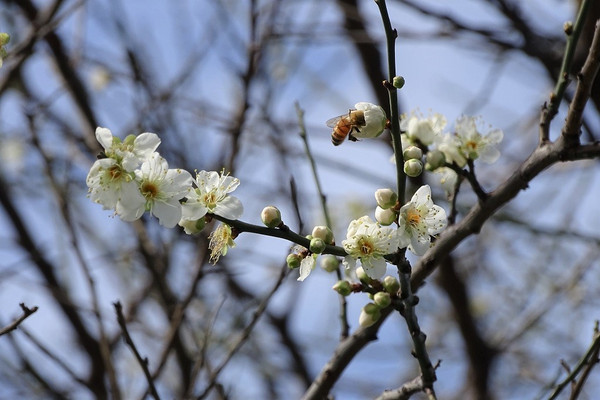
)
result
[(142, 361), (15, 324)]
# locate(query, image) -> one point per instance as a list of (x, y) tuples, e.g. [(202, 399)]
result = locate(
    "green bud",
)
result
[(386, 198), (271, 216), (369, 315), (385, 217), (317, 245), (4, 38), (413, 168), (324, 233), (382, 299), (412, 152), (330, 263), (343, 288), (398, 82), (391, 284), (293, 261), (434, 160)]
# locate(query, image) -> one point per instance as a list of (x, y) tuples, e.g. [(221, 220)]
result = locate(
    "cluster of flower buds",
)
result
[(305, 258)]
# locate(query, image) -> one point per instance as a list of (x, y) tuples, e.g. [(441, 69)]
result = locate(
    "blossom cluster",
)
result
[(132, 178), (466, 143)]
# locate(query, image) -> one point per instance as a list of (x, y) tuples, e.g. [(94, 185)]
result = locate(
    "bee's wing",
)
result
[(332, 122)]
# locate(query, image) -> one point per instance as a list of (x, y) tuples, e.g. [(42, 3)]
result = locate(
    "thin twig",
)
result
[(589, 359), (345, 327), (212, 380), (142, 361), (550, 111), (15, 324)]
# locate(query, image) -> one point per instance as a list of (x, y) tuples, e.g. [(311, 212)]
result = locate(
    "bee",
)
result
[(345, 125)]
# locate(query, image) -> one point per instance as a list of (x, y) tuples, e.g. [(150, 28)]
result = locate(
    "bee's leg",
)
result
[(351, 137)]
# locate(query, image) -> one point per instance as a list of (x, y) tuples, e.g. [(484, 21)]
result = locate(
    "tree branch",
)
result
[(15, 324)]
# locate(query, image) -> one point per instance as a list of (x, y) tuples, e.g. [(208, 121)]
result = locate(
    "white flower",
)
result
[(306, 266), (422, 130), (450, 146), (106, 181), (473, 144), (159, 191), (131, 152), (375, 120), (420, 219), (368, 241), (221, 239), (448, 179), (111, 176), (211, 195)]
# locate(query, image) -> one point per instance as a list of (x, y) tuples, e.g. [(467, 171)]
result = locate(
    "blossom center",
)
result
[(366, 247), (149, 190), (471, 145), (413, 217), (210, 199), (115, 173)]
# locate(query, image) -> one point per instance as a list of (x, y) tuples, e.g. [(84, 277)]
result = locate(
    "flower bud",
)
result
[(293, 261), (385, 217), (568, 27), (382, 299), (434, 160), (271, 216), (386, 198), (324, 233), (413, 168), (329, 263), (412, 152), (342, 287), (369, 314), (317, 245), (398, 82), (4, 38), (391, 284)]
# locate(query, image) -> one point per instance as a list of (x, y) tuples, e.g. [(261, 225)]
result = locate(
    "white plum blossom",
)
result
[(448, 179), (211, 195), (420, 219), (306, 266), (368, 242), (110, 176), (469, 144), (375, 120), (422, 130), (473, 144), (131, 152), (158, 191)]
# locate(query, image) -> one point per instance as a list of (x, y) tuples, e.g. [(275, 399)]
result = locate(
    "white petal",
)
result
[(104, 137), (420, 245), (168, 213), (422, 197), (375, 268), (306, 267), (145, 144), (230, 207)]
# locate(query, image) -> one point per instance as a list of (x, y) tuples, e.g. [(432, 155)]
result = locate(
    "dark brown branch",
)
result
[(15, 324), (142, 361), (343, 355)]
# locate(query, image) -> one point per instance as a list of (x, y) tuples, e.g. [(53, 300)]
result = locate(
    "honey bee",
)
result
[(345, 125)]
